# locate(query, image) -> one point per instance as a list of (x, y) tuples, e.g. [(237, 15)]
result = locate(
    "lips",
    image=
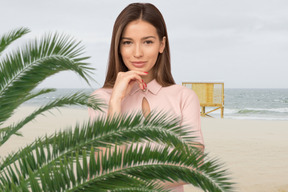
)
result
[(138, 64)]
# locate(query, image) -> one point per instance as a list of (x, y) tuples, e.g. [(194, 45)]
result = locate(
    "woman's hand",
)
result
[(123, 85), (125, 81)]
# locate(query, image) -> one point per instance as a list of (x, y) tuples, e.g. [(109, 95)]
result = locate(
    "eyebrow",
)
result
[(141, 38)]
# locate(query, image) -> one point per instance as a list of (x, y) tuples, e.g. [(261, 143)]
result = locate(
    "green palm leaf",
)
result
[(21, 71), (67, 151), (102, 133), (75, 99), (10, 37)]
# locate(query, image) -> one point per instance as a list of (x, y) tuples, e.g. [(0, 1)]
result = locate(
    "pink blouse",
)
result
[(175, 100)]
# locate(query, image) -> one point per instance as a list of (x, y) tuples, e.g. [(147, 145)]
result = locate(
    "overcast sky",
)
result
[(243, 43)]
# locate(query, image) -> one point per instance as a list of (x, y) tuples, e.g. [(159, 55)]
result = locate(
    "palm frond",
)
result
[(139, 189), (22, 70), (103, 133), (67, 152), (89, 135), (11, 36), (75, 99), (166, 164)]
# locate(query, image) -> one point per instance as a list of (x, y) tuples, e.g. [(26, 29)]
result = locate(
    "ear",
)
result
[(162, 45)]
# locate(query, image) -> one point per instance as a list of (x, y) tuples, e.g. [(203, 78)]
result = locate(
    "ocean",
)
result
[(268, 104), (261, 104)]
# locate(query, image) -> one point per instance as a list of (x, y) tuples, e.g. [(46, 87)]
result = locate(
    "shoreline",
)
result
[(254, 151)]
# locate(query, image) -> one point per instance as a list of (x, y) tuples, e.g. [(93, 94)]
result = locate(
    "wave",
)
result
[(257, 118), (281, 100), (262, 110), (252, 111)]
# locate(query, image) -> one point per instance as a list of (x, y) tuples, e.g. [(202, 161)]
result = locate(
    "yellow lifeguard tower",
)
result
[(210, 94)]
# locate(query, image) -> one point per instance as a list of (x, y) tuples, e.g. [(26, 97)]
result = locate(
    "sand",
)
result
[(254, 151)]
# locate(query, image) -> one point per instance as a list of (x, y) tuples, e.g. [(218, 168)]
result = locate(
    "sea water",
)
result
[(270, 104), (267, 104)]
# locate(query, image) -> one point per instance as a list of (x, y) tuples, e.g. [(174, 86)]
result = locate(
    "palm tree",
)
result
[(65, 161)]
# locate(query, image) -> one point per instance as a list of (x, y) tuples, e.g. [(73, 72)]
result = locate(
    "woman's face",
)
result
[(140, 46)]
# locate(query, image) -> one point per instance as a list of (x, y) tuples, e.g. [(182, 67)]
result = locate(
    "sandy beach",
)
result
[(254, 151)]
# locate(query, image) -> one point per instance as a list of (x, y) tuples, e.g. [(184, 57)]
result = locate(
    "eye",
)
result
[(148, 42), (126, 42)]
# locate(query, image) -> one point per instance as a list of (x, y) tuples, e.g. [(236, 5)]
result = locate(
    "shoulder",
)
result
[(105, 91), (180, 90), (182, 95)]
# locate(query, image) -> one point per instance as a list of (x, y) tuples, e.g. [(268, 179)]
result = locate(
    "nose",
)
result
[(138, 52)]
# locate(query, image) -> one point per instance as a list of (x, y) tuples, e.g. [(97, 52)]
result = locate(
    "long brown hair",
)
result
[(149, 13)]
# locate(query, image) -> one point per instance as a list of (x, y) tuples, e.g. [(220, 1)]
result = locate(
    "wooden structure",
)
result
[(210, 94)]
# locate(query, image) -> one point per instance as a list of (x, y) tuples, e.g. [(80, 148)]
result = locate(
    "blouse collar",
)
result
[(153, 87)]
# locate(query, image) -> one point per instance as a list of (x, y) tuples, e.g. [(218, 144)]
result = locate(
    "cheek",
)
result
[(153, 53), (123, 53), (126, 55)]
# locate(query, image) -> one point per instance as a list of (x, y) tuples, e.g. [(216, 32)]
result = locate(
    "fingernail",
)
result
[(146, 72)]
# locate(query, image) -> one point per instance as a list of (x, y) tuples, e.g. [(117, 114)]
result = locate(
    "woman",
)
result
[(139, 73)]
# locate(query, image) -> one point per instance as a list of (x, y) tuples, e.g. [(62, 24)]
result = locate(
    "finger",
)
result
[(142, 84), (132, 82), (141, 73), (135, 76), (131, 76)]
